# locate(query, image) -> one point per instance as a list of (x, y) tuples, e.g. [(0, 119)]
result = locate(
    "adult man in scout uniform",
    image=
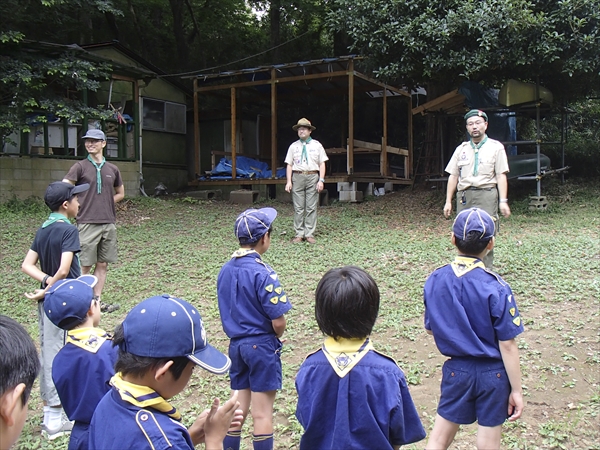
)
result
[(478, 170), (305, 175)]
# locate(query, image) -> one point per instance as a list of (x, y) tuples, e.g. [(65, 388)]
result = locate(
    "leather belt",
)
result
[(305, 172)]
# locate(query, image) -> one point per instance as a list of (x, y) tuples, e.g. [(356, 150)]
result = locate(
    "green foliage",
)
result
[(418, 41)]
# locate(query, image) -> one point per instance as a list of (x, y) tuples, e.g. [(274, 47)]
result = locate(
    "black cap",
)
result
[(59, 192)]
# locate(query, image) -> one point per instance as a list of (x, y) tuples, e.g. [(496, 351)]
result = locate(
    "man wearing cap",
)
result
[(305, 174), (97, 215), (478, 170)]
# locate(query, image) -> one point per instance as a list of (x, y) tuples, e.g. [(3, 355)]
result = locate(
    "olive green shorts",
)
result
[(98, 243)]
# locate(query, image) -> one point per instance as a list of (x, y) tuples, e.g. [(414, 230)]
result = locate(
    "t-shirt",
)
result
[(492, 161), (96, 207), (469, 309), (54, 240), (315, 155), (250, 295), (362, 406)]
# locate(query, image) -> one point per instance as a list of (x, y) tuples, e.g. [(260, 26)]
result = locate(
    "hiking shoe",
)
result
[(64, 429), (108, 307)]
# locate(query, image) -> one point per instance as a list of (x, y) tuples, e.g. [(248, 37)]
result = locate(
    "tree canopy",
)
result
[(420, 41)]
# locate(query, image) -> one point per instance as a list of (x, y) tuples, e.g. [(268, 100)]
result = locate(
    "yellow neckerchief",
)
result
[(344, 354), (88, 338), (243, 252), (143, 396), (464, 264)]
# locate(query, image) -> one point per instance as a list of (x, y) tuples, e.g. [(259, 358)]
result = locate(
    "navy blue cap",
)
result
[(68, 301), (168, 327), (253, 224), (473, 219), (60, 191)]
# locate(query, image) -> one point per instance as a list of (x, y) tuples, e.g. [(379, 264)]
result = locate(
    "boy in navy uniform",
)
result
[(19, 366), (349, 395), (160, 342), (56, 248), (474, 319), (252, 304), (83, 368)]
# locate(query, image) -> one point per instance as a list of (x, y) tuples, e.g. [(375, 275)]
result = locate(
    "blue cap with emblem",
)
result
[(168, 327), (253, 224), (68, 301), (473, 219)]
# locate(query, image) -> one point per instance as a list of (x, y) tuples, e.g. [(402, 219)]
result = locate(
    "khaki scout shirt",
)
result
[(315, 152), (492, 161)]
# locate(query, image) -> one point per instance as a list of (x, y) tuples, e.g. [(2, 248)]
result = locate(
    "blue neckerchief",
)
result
[(476, 147), (98, 175), (55, 217), (304, 154)]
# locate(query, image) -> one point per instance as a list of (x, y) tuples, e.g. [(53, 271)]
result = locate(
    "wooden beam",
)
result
[(434, 103), (350, 159), (233, 134), (380, 84), (196, 135), (408, 162), (273, 123), (383, 163)]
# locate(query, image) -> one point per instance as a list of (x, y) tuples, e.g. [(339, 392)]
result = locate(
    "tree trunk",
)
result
[(275, 19), (177, 8)]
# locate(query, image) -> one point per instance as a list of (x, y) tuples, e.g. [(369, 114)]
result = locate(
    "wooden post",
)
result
[(383, 169), (350, 117), (233, 134), (196, 132), (408, 170), (273, 123)]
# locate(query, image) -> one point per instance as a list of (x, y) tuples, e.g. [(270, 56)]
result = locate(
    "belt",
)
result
[(471, 188), (305, 172)]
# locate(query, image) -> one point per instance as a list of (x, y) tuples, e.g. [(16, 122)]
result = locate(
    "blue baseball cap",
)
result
[(60, 191), (68, 301), (473, 219), (168, 327), (253, 224)]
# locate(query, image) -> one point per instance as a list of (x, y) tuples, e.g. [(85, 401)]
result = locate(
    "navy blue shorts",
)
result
[(255, 363), (474, 390)]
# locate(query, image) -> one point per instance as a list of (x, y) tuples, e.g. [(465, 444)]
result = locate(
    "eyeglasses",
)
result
[(479, 122)]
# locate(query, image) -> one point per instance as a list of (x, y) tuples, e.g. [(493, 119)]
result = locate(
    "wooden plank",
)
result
[(233, 134), (196, 135), (435, 102), (273, 125), (350, 159), (383, 163), (369, 145)]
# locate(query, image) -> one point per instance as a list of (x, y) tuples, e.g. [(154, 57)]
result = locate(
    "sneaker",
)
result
[(64, 429), (108, 307)]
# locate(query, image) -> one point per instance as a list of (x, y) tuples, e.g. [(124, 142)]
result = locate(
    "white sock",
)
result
[(54, 418), (46, 413)]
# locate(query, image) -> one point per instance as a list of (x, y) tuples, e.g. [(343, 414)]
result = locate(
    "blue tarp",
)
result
[(244, 168)]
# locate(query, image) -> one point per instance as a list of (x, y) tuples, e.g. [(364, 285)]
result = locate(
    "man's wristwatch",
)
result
[(503, 200), (322, 180)]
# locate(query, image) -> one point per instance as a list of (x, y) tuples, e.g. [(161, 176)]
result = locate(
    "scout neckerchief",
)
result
[(304, 154), (476, 148), (88, 338), (143, 396), (55, 217), (464, 264), (344, 354), (243, 252), (98, 175)]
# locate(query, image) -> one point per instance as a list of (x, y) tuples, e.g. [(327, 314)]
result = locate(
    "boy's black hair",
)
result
[(472, 245), (254, 244), (19, 360), (346, 303), (130, 364)]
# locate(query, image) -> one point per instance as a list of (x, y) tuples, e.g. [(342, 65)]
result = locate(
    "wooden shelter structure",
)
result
[(324, 81)]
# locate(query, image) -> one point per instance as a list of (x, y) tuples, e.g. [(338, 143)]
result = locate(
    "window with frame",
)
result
[(159, 115)]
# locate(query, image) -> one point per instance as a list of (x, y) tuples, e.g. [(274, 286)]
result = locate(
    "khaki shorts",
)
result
[(98, 243)]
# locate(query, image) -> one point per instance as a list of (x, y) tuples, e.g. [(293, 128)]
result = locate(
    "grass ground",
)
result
[(551, 259)]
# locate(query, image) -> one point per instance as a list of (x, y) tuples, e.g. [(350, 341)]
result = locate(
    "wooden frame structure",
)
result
[(325, 78)]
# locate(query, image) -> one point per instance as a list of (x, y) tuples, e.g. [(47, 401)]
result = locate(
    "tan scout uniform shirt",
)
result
[(492, 161), (315, 152)]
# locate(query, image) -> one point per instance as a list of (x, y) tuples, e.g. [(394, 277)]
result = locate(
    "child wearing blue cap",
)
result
[(56, 248), (160, 342), (252, 304), (349, 395), (473, 317), (83, 368)]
